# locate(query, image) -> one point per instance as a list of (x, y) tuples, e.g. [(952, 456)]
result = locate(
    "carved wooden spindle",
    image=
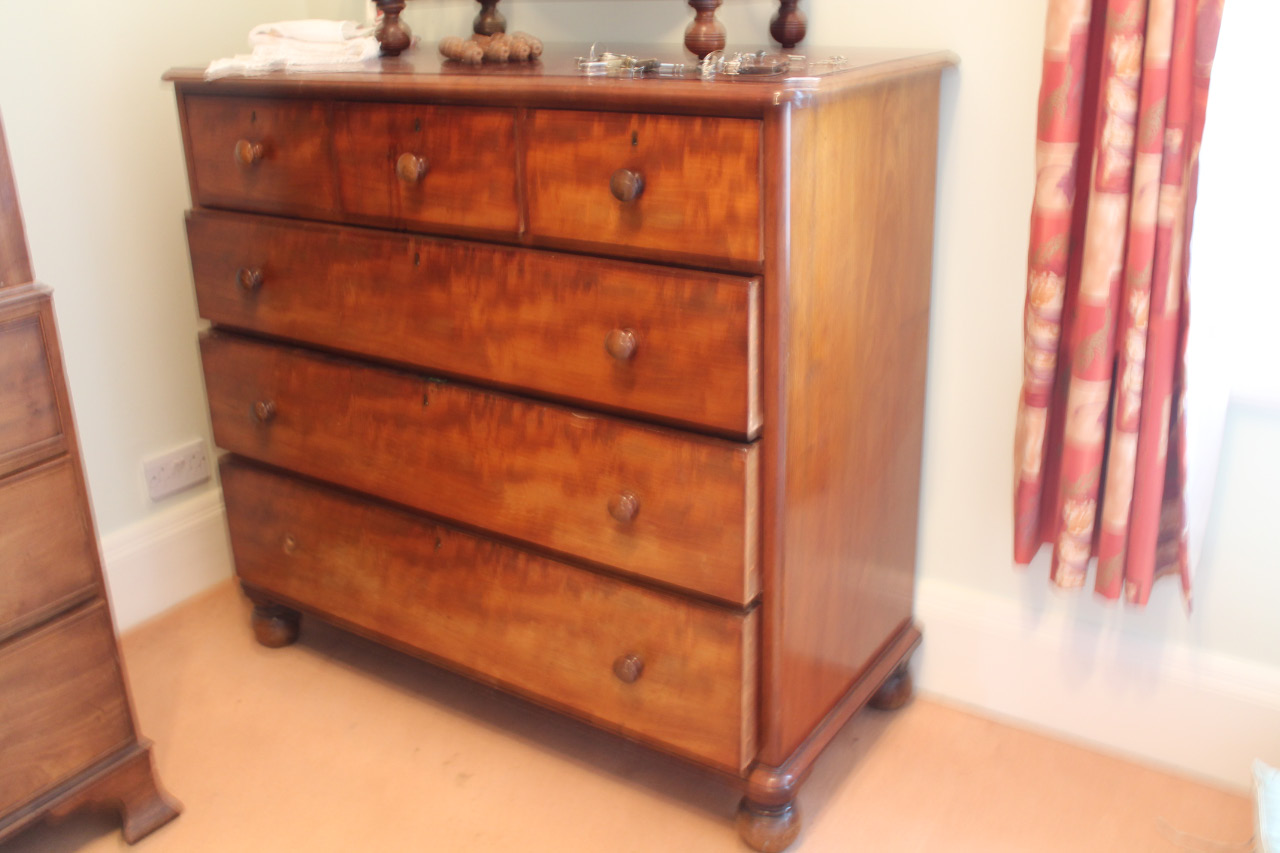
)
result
[(705, 34), (490, 20), (393, 34), (788, 26)]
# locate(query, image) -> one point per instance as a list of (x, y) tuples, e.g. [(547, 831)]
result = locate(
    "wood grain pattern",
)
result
[(295, 172), (31, 424), (700, 201), (62, 704), (468, 158), (50, 554), (852, 381), (15, 263), (522, 319), (508, 617), (538, 473)]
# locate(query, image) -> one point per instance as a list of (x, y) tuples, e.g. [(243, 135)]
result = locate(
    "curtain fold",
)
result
[(1099, 452)]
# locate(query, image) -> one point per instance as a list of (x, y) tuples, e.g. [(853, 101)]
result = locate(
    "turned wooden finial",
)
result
[(393, 34), (788, 26), (705, 34), (490, 20)]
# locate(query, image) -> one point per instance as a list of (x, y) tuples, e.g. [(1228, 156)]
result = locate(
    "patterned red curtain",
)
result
[(1100, 457)]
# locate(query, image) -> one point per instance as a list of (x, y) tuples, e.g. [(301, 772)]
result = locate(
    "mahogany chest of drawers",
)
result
[(607, 392), (67, 733)]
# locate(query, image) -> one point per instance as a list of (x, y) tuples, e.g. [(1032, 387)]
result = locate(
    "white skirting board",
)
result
[(165, 559), (1186, 710), (1189, 711)]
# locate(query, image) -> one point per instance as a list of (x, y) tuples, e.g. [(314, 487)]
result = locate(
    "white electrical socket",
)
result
[(176, 470)]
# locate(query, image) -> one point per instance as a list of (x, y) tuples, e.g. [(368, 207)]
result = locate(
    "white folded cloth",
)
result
[(311, 45)]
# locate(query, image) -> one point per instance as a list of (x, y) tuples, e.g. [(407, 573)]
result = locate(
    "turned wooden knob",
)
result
[(250, 278), (628, 668), (490, 20), (247, 153), (410, 168), (392, 33), (624, 506), (621, 344), (264, 411), (626, 185), (788, 25)]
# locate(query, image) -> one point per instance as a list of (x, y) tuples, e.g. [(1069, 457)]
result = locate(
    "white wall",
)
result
[(95, 144)]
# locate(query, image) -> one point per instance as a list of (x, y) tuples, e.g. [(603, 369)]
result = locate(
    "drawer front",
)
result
[(30, 422), (672, 344), (269, 155), (516, 619), (441, 168), (698, 199), (657, 503), (62, 705), (50, 554)]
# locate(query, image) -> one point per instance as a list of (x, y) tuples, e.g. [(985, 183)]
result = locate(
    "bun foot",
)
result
[(274, 625), (768, 829), (895, 692)]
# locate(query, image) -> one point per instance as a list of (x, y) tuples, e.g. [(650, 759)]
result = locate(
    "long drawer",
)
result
[(50, 559), (673, 344), (674, 507), (62, 704), (650, 664)]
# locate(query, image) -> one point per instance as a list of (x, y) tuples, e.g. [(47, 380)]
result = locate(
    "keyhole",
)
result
[(417, 125), (253, 116), (417, 259), (635, 138)]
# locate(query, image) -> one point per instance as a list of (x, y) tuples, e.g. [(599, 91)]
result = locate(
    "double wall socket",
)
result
[(176, 470)]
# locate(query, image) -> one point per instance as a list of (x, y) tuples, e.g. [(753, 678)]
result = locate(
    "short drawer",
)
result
[(419, 166), (50, 553), (263, 154), (678, 188), (62, 705), (673, 344), (650, 664), (675, 507), (30, 418)]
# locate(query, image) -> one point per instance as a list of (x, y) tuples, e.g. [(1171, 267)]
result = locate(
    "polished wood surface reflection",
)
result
[(728, 281)]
